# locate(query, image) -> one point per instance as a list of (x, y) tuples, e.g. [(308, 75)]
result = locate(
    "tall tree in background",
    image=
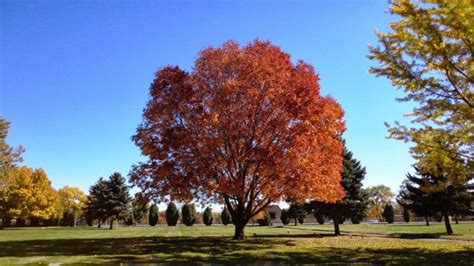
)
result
[(225, 216), (72, 203), (9, 157), (117, 197), (439, 194), (430, 56), (96, 201), (413, 197), (354, 204), (389, 213), (246, 126), (379, 196), (140, 206)]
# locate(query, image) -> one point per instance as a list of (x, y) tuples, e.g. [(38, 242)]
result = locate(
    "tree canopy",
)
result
[(246, 126), (429, 55)]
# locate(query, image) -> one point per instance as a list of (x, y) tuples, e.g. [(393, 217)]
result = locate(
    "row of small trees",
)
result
[(188, 215)]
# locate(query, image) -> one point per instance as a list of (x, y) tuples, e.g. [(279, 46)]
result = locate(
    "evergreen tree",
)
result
[(207, 216), (225, 217), (117, 197), (129, 219), (153, 215), (285, 219), (172, 214), (140, 206), (96, 201), (301, 215), (188, 213), (354, 204), (438, 195), (297, 212), (319, 217), (389, 213)]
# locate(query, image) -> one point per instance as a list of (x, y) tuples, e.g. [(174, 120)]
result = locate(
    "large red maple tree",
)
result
[(245, 127)]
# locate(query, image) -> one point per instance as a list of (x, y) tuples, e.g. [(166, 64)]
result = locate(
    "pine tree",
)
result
[(207, 216), (172, 214), (438, 195), (225, 217), (389, 213), (354, 204), (96, 201), (188, 213), (153, 215), (117, 197)]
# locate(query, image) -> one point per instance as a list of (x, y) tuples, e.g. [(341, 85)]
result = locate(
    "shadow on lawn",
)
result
[(255, 250)]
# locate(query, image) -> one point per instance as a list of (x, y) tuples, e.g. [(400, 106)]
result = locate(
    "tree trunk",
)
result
[(335, 221), (99, 224), (111, 223), (296, 221), (427, 221), (447, 223), (456, 219), (239, 232)]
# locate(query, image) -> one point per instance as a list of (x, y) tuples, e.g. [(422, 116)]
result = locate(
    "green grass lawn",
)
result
[(404, 243)]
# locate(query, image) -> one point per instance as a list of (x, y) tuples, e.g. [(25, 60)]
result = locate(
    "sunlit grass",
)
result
[(201, 244)]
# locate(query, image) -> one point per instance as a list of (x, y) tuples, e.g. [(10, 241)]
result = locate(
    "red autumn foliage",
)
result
[(246, 126)]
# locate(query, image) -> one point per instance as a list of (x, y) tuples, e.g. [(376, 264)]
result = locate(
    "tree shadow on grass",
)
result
[(267, 249)]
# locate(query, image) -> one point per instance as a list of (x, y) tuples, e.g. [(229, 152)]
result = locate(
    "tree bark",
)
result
[(111, 223), (427, 221), (239, 232), (98, 223), (296, 221), (337, 232), (447, 223)]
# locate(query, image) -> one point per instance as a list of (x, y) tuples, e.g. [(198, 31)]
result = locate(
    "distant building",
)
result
[(275, 213)]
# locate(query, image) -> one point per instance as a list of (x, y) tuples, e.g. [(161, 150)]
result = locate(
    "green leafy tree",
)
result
[(153, 215), (117, 197), (9, 158), (389, 213), (207, 216), (225, 217), (429, 55), (188, 213), (285, 218), (379, 196), (413, 197), (172, 214), (129, 219), (296, 212)]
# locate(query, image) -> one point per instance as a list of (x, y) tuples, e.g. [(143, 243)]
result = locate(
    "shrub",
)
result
[(389, 213), (319, 217), (406, 215), (301, 215), (188, 212), (265, 219), (153, 215), (285, 218), (172, 214), (226, 217), (207, 216)]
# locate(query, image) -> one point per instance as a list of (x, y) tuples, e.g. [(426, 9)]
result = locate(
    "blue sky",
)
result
[(75, 74)]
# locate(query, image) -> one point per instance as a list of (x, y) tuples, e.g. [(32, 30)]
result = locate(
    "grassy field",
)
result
[(380, 244)]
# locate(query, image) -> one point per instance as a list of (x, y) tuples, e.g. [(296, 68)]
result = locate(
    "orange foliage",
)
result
[(246, 126)]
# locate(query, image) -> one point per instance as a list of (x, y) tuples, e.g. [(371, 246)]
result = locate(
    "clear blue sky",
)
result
[(75, 74)]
